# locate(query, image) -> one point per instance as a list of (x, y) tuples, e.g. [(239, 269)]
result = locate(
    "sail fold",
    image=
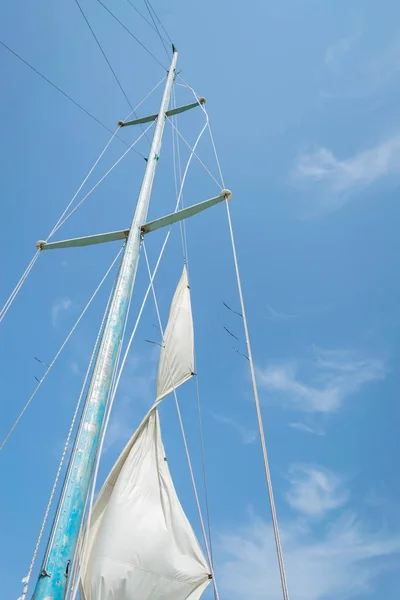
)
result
[(140, 543), (176, 363)]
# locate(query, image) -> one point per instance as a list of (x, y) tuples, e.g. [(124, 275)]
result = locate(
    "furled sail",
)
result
[(140, 543), (177, 353)]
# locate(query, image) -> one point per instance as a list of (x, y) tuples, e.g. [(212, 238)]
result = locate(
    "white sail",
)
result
[(176, 363), (140, 543)]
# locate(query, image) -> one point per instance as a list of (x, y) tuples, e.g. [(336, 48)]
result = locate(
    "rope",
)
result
[(56, 87), (196, 495), (132, 35), (148, 6), (116, 383), (141, 14), (15, 291), (203, 108), (176, 149), (102, 178), (58, 224), (192, 150), (158, 19), (104, 54), (259, 417), (61, 463), (253, 376), (176, 159), (59, 352), (108, 63)]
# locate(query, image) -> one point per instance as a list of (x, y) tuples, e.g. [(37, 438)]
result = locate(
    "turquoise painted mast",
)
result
[(53, 578)]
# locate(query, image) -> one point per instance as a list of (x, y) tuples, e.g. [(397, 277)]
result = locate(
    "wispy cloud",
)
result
[(329, 379), (344, 560), (59, 306), (338, 555), (314, 490), (350, 174), (274, 315), (354, 72), (248, 436), (307, 428), (75, 368), (339, 49)]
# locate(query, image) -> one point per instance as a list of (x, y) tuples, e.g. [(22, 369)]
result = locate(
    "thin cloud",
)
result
[(343, 559), (307, 428), (59, 306), (333, 376), (314, 491), (336, 556), (347, 175), (355, 75), (274, 315), (335, 53), (248, 436), (75, 368)]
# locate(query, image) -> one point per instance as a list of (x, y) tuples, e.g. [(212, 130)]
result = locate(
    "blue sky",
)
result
[(303, 99)]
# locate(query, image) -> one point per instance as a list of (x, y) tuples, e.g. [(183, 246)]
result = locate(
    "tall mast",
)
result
[(53, 579)]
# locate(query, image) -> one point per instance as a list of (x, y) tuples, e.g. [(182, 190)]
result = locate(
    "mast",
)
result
[(53, 578)]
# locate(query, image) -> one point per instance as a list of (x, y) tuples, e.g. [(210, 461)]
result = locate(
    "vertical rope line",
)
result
[(186, 261), (259, 417), (253, 377), (178, 148), (174, 162), (196, 495)]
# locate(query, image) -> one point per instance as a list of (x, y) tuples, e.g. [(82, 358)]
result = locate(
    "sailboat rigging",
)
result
[(134, 540)]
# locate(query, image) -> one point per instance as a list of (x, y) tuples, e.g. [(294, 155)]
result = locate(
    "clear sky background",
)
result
[(303, 100)]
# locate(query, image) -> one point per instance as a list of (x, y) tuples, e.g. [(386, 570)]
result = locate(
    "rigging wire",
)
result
[(60, 221), (252, 371), (129, 344), (132, 34), (192, 477), (115, 388), (89, 114), (259, 417), (57, 225), (108, 63), (19, 285), (102, 178), (192, 149), (278, 544), (148, 6), (104, 55), (143, 17), (176, 154), (67, 441), (159, 20), (178, 171), (58, 353)]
